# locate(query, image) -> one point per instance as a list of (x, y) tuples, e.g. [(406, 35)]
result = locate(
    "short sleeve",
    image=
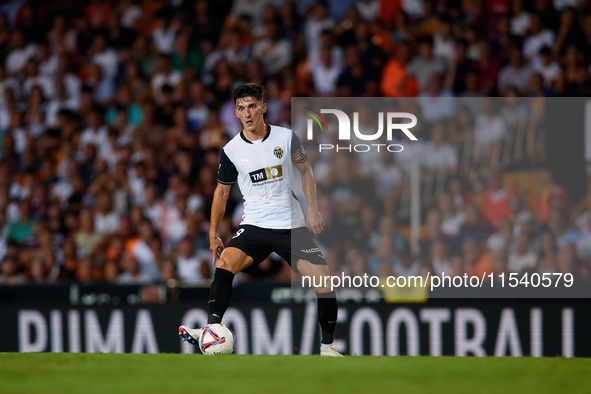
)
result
[(227, 172), (298, 153)]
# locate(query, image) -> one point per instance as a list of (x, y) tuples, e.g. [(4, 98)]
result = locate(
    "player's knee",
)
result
[(226, 265), (323, 289), (328, 284)]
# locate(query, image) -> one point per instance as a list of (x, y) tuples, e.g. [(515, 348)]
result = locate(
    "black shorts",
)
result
[(259, 243)]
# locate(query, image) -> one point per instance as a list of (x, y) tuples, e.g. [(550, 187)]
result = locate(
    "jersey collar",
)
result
[(266, 136)]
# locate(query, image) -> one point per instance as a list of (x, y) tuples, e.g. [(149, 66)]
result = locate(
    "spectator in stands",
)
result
[(525, 223), (439, 155), (569, 33), (499, 262), (443, 41), (495, 202), (317, 21), (273, 52), (355, 80), (106, 220), (522, 259), (439, 260), (540, 197), (574, 77), (538, 37), (558, 225), (515, 74), (189, 267), (346, 192), (387, 177), (452, 219), (132, 274), (547, 67), (22, 229), (489, 130), (356, 264), (325, 74), (520, 19), (549, 253), (488, 67), (425, 64), (436, 102), (85, 238), (472, 255), (407, 265), (456, 186), (165, 75), (459, 67), (169, 271), (368, 236), (504, 237), (473, 225), (568, 262), (433, 233), (9, 274), (385, 254), (396, 81)]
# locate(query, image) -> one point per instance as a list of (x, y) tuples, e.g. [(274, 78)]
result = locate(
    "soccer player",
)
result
[(261, 159)]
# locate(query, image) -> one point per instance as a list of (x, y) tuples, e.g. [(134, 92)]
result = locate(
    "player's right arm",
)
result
[(218, 208), (227, 176)]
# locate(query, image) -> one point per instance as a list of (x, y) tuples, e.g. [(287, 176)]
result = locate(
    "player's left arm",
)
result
[(299, 157)]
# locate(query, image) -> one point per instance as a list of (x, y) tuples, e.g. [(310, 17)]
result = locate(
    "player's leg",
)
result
[(327, 304), (232, 261), (299, 249), (249, 246)]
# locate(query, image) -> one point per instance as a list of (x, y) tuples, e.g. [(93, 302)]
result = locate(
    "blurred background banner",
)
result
[(439, 327)]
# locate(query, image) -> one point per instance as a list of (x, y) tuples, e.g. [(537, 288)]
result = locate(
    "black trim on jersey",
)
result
[(294, 196), (250, 142), (295, 142), (227, 172), (268, 132), (298, 153)]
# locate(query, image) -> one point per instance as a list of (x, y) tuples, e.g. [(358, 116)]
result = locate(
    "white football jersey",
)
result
[(264, 172)]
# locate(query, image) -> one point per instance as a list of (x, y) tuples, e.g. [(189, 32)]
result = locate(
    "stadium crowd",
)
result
[(113, 115)]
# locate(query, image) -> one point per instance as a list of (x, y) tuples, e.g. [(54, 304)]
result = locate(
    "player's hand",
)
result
[(315, 223), (217, 246)]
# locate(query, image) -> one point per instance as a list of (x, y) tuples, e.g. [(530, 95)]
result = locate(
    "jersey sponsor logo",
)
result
[(246, 160), (313, 250), (266, 173), (278, 152)]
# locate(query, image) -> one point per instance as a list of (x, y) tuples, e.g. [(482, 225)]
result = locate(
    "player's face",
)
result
[(250, 112)]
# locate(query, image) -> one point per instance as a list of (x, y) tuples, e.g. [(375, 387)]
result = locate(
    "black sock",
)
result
[(327, 315), (219, 295)]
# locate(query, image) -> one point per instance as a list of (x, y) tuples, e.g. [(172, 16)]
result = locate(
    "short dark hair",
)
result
[(250, 89)]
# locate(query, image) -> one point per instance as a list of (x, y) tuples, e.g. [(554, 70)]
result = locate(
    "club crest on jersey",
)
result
[(278, 152)]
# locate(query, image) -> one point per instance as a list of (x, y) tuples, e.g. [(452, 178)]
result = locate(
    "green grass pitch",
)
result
[(169, 373)]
